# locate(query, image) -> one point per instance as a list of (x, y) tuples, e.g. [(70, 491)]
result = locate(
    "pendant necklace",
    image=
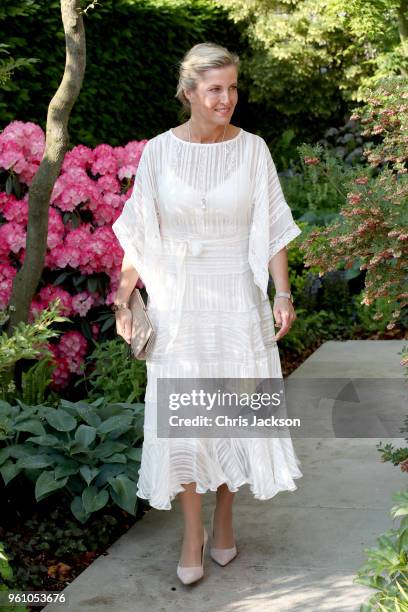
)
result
[(203, 199)]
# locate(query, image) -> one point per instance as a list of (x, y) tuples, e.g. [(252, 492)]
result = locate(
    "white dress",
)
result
[(205, 268)]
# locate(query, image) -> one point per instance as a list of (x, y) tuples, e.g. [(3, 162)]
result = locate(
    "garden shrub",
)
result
[(83, 257), (29, 342), (114, 373), (87, 449), (386, 568), (8, 581), (373, 221), (325, 307)]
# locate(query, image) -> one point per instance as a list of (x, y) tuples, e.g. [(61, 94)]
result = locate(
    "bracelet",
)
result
[(119, 306), (284, 294)]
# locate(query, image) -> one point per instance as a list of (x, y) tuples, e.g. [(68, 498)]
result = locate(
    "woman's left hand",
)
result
[(284, 315)]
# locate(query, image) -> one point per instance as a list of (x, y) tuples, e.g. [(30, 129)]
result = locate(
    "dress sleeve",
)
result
[(130, 227), (272, 226), (282, 228)]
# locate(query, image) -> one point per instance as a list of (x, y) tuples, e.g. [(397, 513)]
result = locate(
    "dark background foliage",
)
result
[(133, 51)]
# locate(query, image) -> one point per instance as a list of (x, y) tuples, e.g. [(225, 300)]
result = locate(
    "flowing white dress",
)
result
[(205, 268)]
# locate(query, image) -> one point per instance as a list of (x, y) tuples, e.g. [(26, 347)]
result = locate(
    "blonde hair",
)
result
[(201, 57)]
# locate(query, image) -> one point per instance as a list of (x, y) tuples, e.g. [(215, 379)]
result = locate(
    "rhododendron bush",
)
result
[(83, 258)]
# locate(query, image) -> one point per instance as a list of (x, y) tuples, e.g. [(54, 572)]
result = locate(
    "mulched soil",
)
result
[(22, 527)]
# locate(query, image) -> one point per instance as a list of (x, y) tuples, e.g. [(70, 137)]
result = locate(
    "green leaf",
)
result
[(87, 414), (60, 278), (68, 468), (98, 402), (9, 470), (4, 454), (92, 284), (402, 591), (9, 185), (94, 501), (123, 492), (134, 453), (5, 408), (60, 419), (85, 435), (400, 512), (6, 571), (88, 473), (47, 440), (47, 484), (33, 426), (78, 509), (108, 323), (108, 448), (108, 470), (35, 462), (21, 450), (404, 539), (112, 423), (117, 458)]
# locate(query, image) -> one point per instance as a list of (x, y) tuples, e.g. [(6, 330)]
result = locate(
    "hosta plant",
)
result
[(87, 449)]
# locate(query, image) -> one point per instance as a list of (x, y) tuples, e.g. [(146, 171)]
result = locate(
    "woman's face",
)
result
[(216, 95)]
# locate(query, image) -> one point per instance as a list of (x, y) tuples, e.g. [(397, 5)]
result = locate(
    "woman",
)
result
[(206, 222)]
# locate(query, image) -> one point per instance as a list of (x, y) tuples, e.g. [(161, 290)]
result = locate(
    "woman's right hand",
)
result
[(124, 323)]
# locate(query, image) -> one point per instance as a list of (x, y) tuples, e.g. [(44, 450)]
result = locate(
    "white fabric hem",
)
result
[(162, 486), (233, 488)]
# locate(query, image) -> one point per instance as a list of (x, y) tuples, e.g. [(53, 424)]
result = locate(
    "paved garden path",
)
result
[(297, 552)]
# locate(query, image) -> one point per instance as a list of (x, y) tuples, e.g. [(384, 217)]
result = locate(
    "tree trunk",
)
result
[(56, 144), (403, 32), (403, 20)]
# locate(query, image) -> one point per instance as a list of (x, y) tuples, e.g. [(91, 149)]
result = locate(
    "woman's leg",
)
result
[(223, 531), (193, 526)]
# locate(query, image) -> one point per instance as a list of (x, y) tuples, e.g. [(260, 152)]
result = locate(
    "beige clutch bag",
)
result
[(142, 335)]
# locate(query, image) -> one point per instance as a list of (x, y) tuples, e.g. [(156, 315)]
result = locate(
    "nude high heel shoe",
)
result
[(222, 556), (188, 575)]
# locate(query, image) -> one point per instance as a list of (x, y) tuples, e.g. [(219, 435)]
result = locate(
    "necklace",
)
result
[(204, 193)]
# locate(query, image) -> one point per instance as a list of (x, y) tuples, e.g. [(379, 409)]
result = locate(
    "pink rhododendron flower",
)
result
[(75, 249), (103, 204), (95, 327), (108, 183), (49, 293), (28, 172), (104, 255), (82, 302), (80, 156), (105, 161), (72, 188), (69, 355), (13, 209), (73, 347), (127, 171), (61, 374), (111, 296), (86, 200), (12, 237), (21, 149), (131, 153), (7, 273), (56, 229)]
